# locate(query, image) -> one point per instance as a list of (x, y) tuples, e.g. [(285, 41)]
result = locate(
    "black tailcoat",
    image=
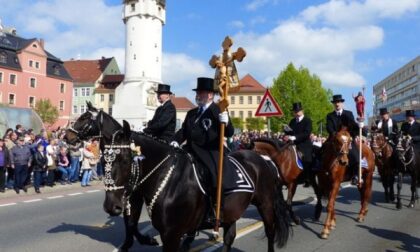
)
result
[(412, 130), (201, 134), (302, 131), (163, 123), (334, 123)]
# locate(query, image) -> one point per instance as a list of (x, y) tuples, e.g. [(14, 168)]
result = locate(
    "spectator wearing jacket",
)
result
[(4, 163), (64, 166), (52, 151), (88, 163), (21, 158), (75, 155), (39, 166)]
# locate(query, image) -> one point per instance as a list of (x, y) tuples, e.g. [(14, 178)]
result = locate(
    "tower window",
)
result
[(133, 7), (134, 56)]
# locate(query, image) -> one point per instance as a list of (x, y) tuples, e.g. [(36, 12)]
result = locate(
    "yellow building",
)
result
[(244, 102)]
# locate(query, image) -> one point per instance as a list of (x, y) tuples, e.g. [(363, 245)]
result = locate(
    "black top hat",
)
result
[(297, 106), (163, 89), (383, 111), (204, 84), (337, 98), (410, 112)]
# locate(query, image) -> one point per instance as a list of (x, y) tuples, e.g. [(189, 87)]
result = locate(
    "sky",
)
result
[(348, 44)]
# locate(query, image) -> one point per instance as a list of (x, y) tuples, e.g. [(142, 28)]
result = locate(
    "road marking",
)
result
[(92, 191), (213, 245), (32, 200), (146, 229), (74, 194), (346, 186), (55, 197), (8, 204)]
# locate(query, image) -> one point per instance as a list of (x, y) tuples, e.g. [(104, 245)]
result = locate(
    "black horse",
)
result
[(409, 163), (167, 180), (83, 131)]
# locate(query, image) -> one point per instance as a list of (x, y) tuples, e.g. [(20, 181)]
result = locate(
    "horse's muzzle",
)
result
[(112, 204)]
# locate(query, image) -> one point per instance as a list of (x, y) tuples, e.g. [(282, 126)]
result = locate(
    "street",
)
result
[(72, 219)]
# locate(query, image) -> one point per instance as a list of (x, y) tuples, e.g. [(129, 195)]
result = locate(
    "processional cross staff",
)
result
[(360, 108), (226, 78)]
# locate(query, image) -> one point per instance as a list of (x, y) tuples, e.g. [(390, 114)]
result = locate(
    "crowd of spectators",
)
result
[(46, 159)]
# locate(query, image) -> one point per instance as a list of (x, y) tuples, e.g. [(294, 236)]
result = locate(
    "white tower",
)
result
[(135, 99)]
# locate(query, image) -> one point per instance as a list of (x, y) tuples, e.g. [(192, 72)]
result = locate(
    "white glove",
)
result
[(224, 117), (293, 138), (174, 144)]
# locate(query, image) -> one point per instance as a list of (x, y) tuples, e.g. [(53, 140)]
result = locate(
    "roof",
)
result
[(86, 71), (11, 45), (249, 85), (182, 103), (112, 78)]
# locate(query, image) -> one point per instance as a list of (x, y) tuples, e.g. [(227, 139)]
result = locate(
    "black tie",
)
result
[(200, 110), (338, 113)]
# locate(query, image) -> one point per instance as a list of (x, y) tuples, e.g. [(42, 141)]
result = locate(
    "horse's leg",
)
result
[(186, 244), (385, 184), (229, 234), (137, 204), (413, 188), (330, 209), (391, 187), (291, 190), (171, 241), (318, 193), (365, 193), (399, 186)]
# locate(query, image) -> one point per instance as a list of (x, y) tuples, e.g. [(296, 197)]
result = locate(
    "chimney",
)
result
[(42, 43)]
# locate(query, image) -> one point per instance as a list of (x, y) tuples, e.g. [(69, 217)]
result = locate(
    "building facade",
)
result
[(402, 89), (29, 73), (182, 106), (135, 99), (245, 101), (88, 76)]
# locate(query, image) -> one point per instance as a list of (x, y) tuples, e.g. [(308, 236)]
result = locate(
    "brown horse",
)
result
[(385, 161), (334, 166), (285, 159)]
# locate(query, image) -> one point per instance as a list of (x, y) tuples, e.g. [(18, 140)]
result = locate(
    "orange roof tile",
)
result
[(249, 85), (86, 71), (182, 103)]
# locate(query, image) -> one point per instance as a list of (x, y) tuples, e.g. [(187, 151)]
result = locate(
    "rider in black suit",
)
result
[(164, 121), (201, 130), (412, 127), (338, 118), (388, 126), (302, 129)]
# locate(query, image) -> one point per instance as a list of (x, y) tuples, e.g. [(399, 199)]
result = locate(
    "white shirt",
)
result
[(339, 112), (300, 118)]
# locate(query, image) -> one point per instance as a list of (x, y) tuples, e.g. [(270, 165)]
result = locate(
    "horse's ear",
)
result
[(91, 107), (126, 128)]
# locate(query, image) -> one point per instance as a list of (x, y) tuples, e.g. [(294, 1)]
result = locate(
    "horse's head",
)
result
[(118, 164), (85, 126), (378, 142), (404, 144), (341, 145)]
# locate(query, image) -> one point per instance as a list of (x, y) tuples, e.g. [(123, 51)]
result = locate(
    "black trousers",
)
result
[(354, 158), (2, 177)]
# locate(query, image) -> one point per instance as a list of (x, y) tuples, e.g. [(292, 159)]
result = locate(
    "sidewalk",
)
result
[(10, 193)]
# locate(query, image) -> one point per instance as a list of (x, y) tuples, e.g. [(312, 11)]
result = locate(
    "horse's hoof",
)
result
[(147, 240), (360, 219), (332, 227), (411, 205), (399, 206), (297, 220), (324, 235)]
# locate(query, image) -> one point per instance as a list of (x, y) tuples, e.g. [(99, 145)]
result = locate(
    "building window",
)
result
[(83, 92), (1, 77), (12, 99), (31, 63), (74, 110), (75, 92), (32, 82), (87, 91), (62, 88), (37, 65), (249, 99), (102, 97), (13, 79), (241, 114), (3, 57), (241, 99), (111, 97), (133, 7), (110, 111), (232, 113), (61, 105), (249, 113), (34, 45), (31, 101), (232, 100), (82, 109), (258, 99)]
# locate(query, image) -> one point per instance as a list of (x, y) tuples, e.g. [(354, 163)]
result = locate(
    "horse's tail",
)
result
[(281, 215)]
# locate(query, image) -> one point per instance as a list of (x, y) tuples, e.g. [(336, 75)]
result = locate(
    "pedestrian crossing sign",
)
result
[(268, 106)]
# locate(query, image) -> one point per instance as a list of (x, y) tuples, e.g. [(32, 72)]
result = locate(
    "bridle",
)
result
[(89, 126), (403, 151), (375, 147)]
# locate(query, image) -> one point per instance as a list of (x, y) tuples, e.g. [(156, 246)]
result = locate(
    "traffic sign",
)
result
[(268, 106)]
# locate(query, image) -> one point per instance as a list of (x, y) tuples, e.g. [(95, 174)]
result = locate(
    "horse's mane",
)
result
[(136, 135), (272, 141)]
